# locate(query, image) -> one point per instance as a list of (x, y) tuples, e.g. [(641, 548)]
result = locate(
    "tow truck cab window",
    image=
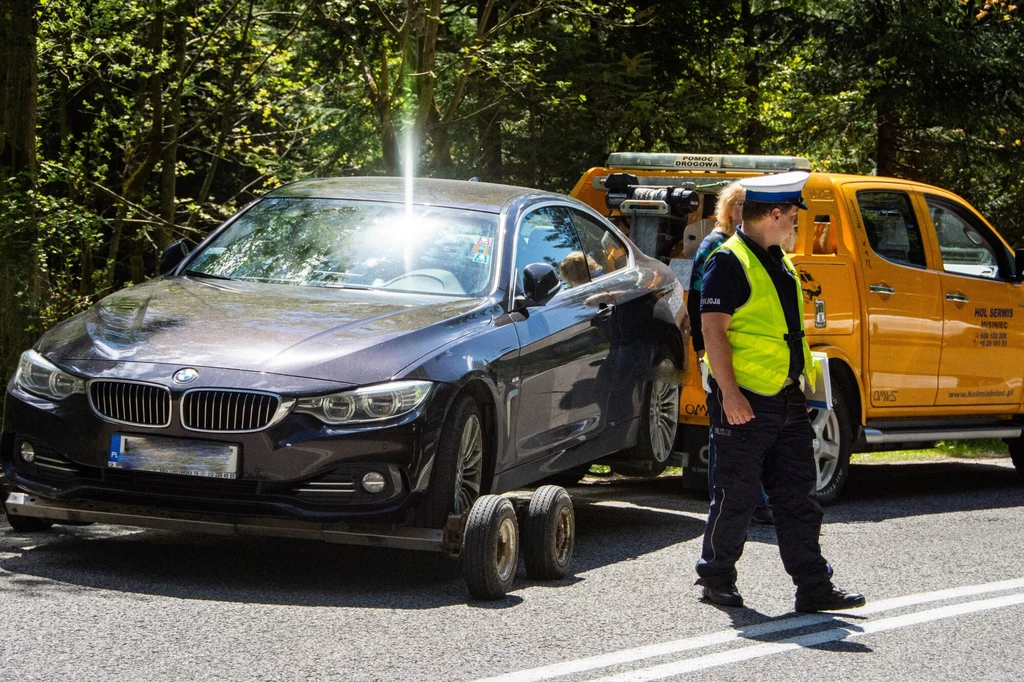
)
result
[(605, 252), (547, 235), (892, 227), (967, 246)]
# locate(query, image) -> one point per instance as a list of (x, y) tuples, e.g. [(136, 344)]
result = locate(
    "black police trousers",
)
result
[(776, 449)]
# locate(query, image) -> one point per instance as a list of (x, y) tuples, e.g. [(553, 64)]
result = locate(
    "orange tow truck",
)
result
[(913, 295)]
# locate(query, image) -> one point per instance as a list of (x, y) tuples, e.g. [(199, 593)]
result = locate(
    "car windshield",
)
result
[(356, 244)]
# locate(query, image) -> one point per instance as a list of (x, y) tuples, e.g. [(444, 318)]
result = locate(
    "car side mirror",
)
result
[(173, 255), (540, 284), (1018, 265)]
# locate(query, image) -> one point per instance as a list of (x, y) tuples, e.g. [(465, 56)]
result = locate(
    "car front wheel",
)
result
[(458, 465)]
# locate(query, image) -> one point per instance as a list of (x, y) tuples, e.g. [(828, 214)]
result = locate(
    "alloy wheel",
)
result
[(471, 457), (825, 424), (663, 418)]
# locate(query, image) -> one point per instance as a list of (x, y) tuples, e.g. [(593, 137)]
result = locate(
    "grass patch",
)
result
[(959, 449)]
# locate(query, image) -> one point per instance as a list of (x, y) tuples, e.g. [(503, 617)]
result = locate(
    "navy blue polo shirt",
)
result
[(725, 289)]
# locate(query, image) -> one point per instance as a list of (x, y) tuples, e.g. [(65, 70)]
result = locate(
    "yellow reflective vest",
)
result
[(758, 330)]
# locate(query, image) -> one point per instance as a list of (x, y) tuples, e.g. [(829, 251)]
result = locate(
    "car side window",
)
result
[(892, 226), (547, 235), (605, 252), (965, 249)]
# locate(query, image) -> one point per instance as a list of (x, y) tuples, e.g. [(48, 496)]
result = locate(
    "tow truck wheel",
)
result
[(659, 420), (832, 441), (549, 534), (490, 547), (1016, 446)]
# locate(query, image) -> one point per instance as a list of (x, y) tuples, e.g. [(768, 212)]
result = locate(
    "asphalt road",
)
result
[(934, 546)]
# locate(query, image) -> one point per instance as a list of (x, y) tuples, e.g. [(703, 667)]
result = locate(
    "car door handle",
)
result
[(881, 289), (957, 298), (605, 311)]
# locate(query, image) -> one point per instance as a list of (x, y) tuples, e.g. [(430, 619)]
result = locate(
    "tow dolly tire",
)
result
[(549, 534), (490, 549)]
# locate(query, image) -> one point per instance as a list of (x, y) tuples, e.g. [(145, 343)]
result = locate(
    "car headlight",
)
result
[(39, 376), (371, 403)]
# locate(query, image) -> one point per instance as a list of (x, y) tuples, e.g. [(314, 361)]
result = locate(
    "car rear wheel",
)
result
[(458, 465), (659, 420), (833, 433)]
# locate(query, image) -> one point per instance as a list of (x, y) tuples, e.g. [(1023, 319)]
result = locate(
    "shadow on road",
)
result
[(617, 520), (294, 572)]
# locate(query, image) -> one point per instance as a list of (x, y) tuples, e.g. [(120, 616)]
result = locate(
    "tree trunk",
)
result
[(490, 167), (753, 132), (888, 137), (168, 163), (18, 262), (18, 86), (138, 172)]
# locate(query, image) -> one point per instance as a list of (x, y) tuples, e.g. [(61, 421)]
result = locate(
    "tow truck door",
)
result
[(902, 296), (983, 330)]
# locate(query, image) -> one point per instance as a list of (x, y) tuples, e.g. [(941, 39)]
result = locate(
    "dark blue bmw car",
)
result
[(345, 351)]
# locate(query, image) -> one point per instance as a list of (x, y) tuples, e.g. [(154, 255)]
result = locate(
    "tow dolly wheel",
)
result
[(490, 551), (549, 534)]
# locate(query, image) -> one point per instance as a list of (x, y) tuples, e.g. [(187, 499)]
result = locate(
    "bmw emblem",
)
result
[(185, 376)]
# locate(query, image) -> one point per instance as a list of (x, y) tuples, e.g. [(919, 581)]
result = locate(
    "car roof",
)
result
[(476, 196)]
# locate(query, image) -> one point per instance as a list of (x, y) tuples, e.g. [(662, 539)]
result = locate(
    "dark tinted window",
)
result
[(547, 235), (892, 227), (605, 252)]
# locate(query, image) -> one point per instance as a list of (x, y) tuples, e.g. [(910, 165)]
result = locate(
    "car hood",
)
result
[(345, 335)]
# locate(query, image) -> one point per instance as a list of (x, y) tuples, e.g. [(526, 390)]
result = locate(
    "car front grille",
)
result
[(227, 411), (130, 402)]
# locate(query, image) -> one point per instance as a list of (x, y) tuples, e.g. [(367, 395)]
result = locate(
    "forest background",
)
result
[(128, 124)]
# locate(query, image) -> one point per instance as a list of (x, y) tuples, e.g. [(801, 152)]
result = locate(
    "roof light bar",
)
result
[(711, 162)]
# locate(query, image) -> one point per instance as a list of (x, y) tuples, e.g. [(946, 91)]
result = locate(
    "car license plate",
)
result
[(173, 456)]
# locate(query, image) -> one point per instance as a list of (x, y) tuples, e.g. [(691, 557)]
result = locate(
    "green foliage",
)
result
[(238, 96)]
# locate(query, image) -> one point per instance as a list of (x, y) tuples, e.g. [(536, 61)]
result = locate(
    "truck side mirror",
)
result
[(173, 255), (540, 284)]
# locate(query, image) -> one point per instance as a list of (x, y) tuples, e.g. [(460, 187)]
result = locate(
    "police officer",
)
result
[(751, 310)]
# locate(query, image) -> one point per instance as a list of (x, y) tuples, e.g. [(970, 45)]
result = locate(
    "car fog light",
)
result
[(28, 453), (373, 482)]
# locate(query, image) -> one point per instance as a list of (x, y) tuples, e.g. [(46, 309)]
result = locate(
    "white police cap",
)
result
[(783, 188)]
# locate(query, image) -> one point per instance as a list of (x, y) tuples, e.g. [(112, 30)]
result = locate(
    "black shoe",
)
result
[(763, 516), (723, 595), (833, 600)]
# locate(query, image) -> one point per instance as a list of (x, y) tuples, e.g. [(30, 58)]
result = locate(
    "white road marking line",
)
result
[(660, 672), (554, 670), (631, 505)]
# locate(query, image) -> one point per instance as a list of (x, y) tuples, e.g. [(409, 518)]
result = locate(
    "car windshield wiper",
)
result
[(207, 275), (338, 285)]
